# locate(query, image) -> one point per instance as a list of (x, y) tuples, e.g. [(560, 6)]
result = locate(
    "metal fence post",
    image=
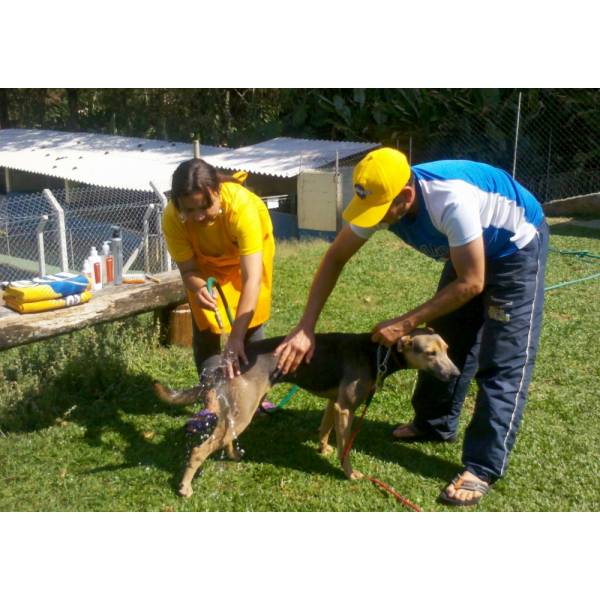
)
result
[(40, 242), (338, 193), (7, 182), (146, 229), (62, 236), (143, 244), (514, 169), (163, 205), (546, 194)]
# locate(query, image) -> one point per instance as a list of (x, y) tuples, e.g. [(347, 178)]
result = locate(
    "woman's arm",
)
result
[(195, 284), (251, 266)]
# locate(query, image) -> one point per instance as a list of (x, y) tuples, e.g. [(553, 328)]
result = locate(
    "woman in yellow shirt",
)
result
[(214, 227)]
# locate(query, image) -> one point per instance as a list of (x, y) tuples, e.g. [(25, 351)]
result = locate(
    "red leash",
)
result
[(393, 492), (377, 482)]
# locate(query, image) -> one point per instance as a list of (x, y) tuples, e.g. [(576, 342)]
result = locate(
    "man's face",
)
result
[(402, 204)]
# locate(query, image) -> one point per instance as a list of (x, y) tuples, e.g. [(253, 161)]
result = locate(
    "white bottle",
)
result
[(87, 271), (96, 264)]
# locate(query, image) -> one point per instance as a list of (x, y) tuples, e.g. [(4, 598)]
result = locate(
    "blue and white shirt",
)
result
[(460, 200)]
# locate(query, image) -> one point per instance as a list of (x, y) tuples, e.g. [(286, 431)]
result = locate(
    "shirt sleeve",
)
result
[(454, 210), (178, 243), (366, 232), (460, 222), (247, 229)]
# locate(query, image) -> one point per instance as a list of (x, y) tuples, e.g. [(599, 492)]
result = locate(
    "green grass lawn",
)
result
[(80, 429)]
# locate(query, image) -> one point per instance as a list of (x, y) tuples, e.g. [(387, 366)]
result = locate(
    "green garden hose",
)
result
[(583, 255)]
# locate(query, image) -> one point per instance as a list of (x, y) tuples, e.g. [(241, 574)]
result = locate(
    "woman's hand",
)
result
[(205, 299), (297, 346), (234, 355)]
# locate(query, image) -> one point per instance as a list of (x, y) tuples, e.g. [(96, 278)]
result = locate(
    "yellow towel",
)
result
[(44, 305), (49, 287)]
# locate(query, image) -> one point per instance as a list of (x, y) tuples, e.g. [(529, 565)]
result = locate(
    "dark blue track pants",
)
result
[(493, 338)]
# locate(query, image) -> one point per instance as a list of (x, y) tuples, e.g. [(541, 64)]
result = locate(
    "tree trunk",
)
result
[(73, 101)]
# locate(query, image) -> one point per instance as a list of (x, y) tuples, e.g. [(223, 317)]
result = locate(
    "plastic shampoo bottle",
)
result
[(108, 273), (96, 264)]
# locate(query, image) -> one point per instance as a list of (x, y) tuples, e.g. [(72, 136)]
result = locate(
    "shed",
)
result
[(305, 182)]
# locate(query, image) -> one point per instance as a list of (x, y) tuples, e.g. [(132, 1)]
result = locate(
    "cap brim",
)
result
[(364, 216)]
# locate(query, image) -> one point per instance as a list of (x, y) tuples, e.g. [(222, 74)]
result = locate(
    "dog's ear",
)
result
[(405, 343)]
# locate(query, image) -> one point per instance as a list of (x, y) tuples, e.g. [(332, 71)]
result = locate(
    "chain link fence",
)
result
[(549, 140), (35, 238), (558, 143)]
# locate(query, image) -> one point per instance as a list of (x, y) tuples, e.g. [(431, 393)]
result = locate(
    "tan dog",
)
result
[(343, 369)]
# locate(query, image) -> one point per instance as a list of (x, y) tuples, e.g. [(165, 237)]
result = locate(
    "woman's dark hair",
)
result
[(195, 175)]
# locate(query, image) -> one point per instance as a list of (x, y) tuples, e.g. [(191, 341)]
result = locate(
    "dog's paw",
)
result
[(355, 475), (234, 454), (325, 449), (185, 490)]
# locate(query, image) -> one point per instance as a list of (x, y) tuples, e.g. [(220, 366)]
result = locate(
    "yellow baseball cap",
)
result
[(378, 179)]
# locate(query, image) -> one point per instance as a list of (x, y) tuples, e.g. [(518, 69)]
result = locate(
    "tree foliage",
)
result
[(558, 128)]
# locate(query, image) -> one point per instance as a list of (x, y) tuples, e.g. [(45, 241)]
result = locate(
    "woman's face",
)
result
[(199, 208)]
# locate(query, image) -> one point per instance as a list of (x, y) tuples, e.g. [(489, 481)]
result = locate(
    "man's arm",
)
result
[(469, 263), (300, 342)]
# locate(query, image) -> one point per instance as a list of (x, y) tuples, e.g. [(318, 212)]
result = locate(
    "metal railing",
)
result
[(54, 230)]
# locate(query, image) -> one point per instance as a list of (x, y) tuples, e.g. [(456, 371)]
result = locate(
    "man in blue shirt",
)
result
[(488, 307)]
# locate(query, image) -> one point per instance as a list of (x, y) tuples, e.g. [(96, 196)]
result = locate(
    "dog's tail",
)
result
[(177, 397)]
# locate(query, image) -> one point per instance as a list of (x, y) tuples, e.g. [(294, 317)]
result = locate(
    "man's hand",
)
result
[(299, 345), (387, 333), (234, 354)]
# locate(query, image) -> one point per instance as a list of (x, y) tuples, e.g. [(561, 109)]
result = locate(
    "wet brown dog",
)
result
[(343, 370)]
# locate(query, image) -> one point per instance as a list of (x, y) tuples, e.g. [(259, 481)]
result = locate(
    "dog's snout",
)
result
[(450, 372)]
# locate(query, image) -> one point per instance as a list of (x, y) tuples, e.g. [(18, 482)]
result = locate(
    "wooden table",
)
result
[(109, 304)]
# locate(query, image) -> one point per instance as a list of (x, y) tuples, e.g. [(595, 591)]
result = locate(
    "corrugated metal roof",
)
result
[(286, 157), (130, 163), (94, 158)]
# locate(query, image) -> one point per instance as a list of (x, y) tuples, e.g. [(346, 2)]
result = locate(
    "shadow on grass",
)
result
[(89, 392), (375, 439), (289, 439), (101, 395), (570, 230)]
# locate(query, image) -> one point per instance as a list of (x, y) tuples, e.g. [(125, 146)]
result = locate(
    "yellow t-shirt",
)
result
[(243, 227)]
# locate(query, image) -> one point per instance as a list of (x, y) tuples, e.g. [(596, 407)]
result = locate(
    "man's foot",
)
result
[(465, 489), (407, 432)]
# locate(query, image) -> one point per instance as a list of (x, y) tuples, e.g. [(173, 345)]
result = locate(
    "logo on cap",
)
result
[(360, 191)]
